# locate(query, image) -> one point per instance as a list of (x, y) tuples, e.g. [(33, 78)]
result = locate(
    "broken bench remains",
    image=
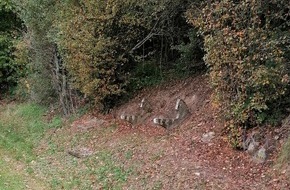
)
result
[(182, 112), (145, 109), (141, 114)]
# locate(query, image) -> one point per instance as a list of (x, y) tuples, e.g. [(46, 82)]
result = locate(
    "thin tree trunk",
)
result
[(61, 84)]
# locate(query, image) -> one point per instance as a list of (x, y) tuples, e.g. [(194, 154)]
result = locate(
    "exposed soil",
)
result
[(178, 158)]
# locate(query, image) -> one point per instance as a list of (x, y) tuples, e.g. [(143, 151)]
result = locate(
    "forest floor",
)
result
[(103, 152)]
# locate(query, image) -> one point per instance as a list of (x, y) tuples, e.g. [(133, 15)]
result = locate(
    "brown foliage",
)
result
[(95, 38)]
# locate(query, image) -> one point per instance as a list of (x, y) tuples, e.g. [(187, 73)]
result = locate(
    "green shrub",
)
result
[(191, 54), (10, 24), (144, 75), (246, 53)]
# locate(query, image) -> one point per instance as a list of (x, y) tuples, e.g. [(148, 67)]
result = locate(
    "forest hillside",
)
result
[(176, 61)]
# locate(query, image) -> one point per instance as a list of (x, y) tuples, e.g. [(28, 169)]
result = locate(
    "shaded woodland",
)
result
[(77, 52)]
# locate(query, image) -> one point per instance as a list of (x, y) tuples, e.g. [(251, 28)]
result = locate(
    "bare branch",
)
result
[(137, 46)]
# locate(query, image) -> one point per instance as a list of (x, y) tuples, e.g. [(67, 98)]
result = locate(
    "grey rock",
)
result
[(140, 114), (80, 152), (207, 137), (182, 112), (253, 147), (260, 156)]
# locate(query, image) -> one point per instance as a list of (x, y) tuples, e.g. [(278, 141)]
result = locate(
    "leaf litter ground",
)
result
[(145, 156)]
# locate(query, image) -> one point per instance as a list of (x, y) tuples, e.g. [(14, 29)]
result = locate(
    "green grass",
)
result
[(109, 173), (21, 128), (102, 170), (284, 157), (29, 140), (10, 179)]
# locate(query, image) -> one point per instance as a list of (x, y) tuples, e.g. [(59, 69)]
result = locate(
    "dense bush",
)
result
[(47, 80), (94, 38), (191, 54), (102, 43), (105, 49), (95, 47), (246, 44), (10, 70)]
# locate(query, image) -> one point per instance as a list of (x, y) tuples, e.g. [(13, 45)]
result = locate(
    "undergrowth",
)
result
[(151, 73)]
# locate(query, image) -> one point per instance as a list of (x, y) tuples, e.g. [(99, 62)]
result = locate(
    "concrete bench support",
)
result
[(182, 112)]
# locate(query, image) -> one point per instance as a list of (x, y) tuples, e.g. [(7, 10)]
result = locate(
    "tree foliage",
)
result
[(247, 50), (40, 49), (47, 79), (101, 41), (10, 24), (95, 46), (97, 49)]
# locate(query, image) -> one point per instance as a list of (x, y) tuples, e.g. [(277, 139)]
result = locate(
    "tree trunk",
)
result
[(60, 82)]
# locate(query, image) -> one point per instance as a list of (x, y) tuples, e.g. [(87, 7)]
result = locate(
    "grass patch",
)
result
[(10, 179), (21, 127), (109, 174), (15, 175), (284, 157), (102, 170)]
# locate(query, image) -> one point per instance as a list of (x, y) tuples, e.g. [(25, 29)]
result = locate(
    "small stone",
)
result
[(80, 152), (252, 148), (211, 133), (207, 137), (197, 173), (260, 156)]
